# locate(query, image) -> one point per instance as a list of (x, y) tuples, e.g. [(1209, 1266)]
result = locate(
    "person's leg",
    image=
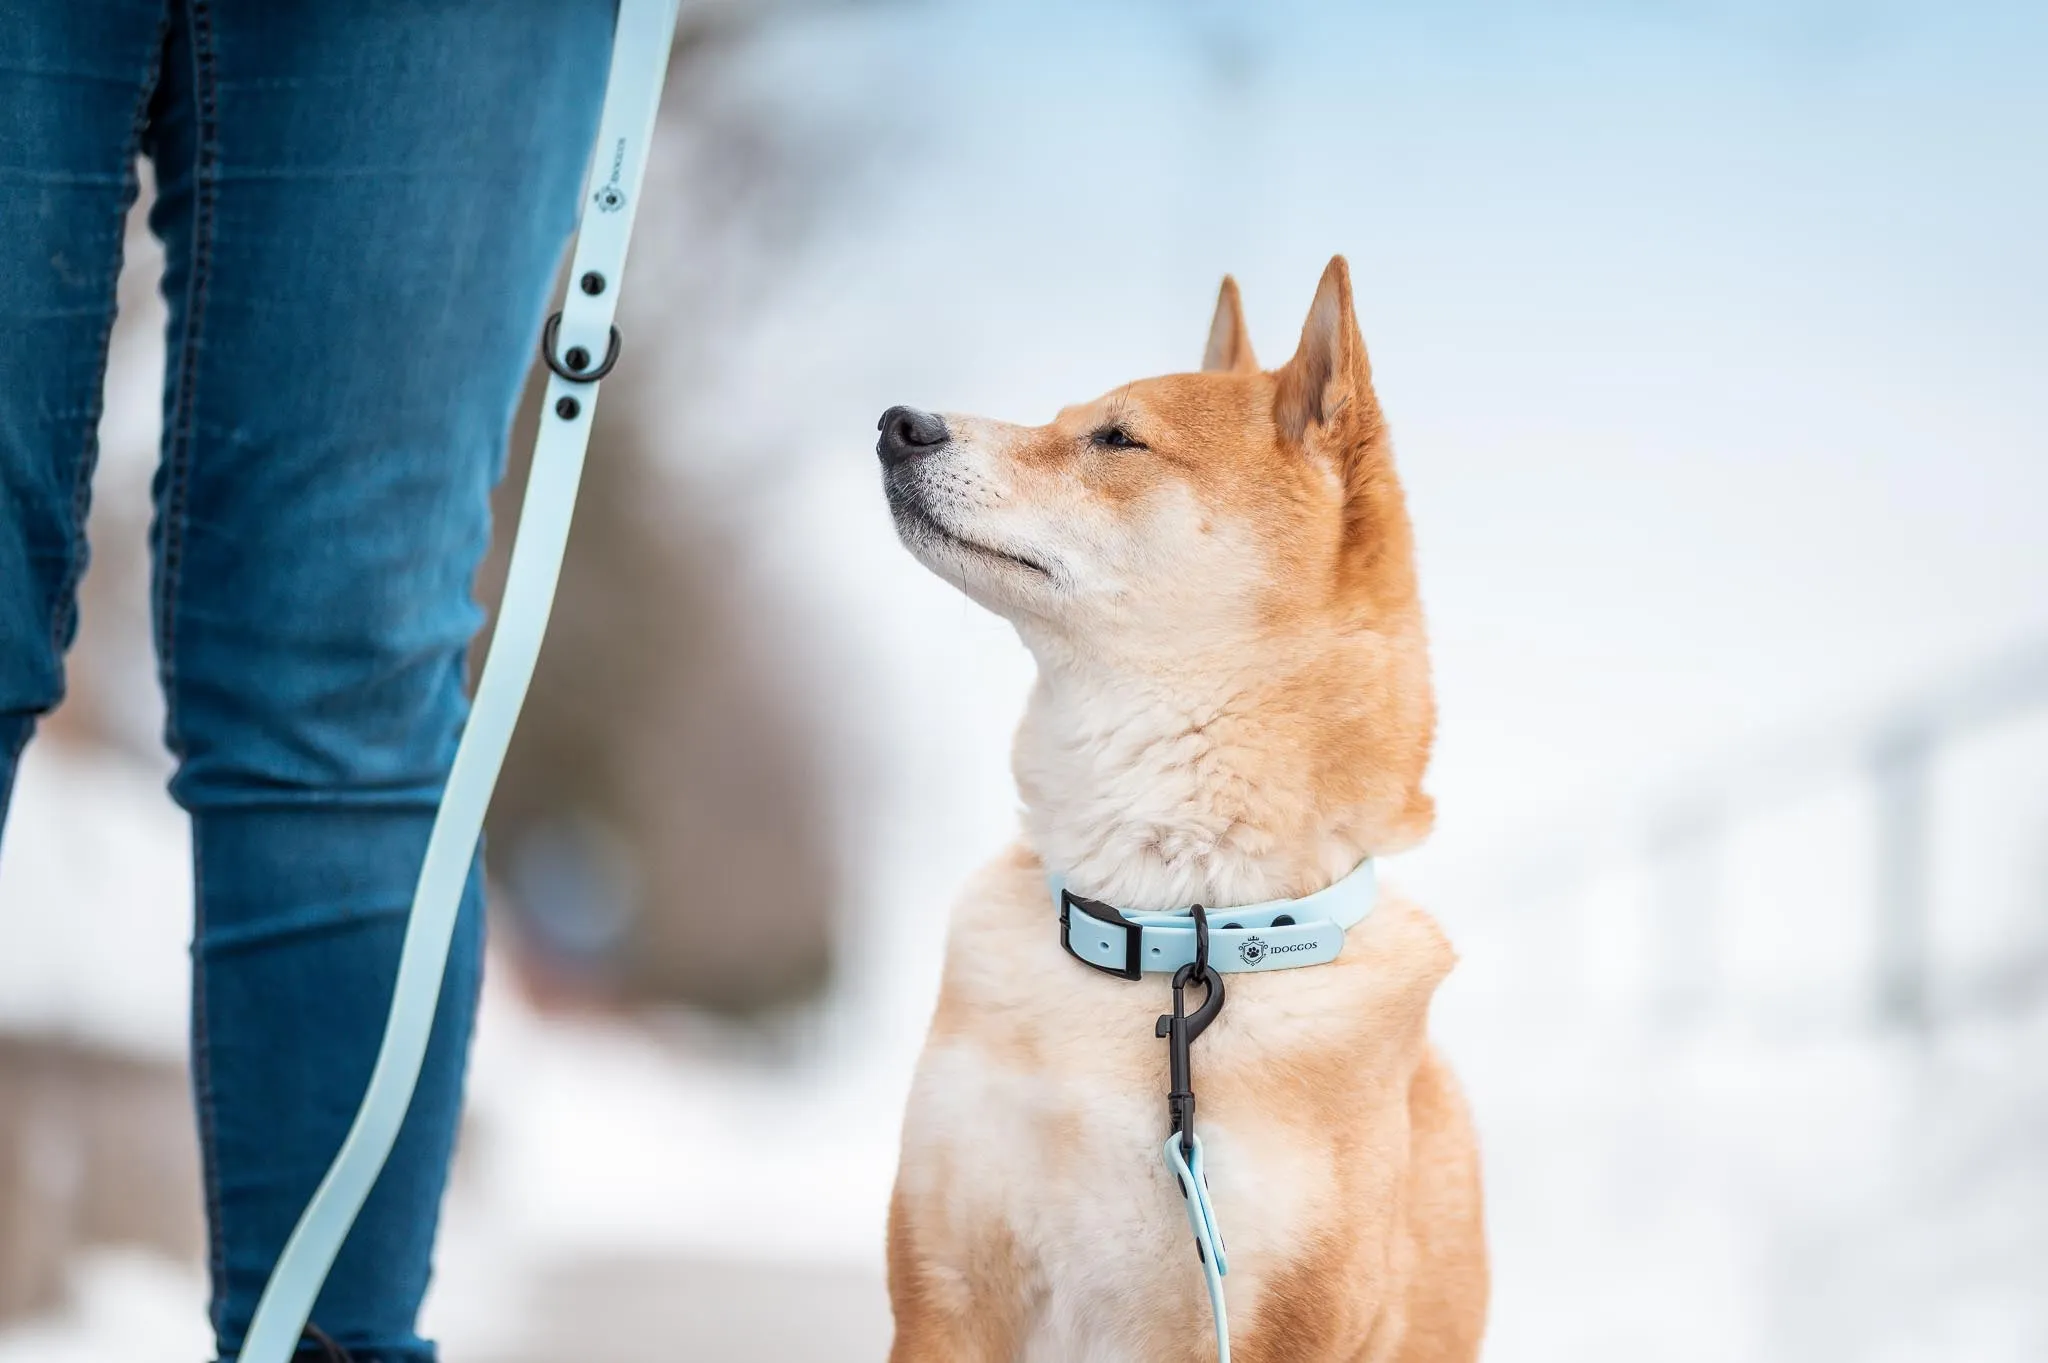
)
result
[(75, 80), (363, 204)]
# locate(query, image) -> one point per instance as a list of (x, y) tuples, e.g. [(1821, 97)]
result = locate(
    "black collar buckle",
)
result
[(1102, 917)]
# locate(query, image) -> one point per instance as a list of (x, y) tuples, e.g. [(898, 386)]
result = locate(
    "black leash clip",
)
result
[(1180, 1028)]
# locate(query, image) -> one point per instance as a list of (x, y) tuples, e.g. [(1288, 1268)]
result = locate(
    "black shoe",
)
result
[(317, 1344)]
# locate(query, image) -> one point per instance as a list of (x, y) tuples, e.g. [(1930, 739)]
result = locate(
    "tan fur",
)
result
[(1230, 345), (1233, 705)]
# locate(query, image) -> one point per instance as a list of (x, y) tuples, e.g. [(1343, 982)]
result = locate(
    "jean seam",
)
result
[(179, 429), (177, 459)]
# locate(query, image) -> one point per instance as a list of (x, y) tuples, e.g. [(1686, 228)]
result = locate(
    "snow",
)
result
[(95, 904), (126, 1306)]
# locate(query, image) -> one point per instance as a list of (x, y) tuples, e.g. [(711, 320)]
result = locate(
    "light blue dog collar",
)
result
[(1280, 934)]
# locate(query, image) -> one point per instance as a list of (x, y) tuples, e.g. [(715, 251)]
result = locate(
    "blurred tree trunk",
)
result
[(662, 828)]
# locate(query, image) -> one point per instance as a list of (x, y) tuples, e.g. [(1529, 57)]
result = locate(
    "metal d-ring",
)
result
[(585, 375)]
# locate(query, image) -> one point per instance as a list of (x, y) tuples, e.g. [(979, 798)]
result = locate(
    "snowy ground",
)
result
[(1728, 1191), (1716, 1202)]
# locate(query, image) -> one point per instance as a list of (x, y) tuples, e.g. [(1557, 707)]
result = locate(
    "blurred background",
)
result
[(1713, 337)]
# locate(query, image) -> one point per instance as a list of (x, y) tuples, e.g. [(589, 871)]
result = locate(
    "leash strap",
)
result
[(573, 339), (1194, 1190), (1183, 1146)]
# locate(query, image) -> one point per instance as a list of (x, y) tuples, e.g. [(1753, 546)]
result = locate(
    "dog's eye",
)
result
[(1117, 438)]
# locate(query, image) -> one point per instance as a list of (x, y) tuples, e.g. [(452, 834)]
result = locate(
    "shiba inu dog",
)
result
[(1215, 573)]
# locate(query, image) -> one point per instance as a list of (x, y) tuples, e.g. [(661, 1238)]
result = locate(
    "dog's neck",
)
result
[(1159, 788)]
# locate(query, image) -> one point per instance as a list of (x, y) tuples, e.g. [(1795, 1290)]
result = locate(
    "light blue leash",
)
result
[(1194, 1189), (1281, 934), (574, 338), (1184, 1143)]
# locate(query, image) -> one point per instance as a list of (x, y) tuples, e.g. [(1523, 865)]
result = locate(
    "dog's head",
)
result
[(1182, 522), (1214, 508)]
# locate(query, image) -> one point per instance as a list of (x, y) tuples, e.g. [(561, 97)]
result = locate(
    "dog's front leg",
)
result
[(957, 1293)]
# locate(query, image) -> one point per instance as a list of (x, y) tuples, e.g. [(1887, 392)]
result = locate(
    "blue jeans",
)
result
[(363, 204)]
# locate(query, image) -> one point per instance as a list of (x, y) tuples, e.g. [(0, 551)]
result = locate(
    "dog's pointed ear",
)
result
[(1329, 380), (1230, 345)]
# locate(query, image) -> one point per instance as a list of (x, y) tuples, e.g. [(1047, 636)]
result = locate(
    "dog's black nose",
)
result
[(907, 433)]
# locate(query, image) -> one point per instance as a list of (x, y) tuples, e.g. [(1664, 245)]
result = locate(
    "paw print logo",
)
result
[(610, 199), (1251, 950)]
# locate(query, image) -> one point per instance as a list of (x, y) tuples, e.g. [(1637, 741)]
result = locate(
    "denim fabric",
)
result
[(363, 203)]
